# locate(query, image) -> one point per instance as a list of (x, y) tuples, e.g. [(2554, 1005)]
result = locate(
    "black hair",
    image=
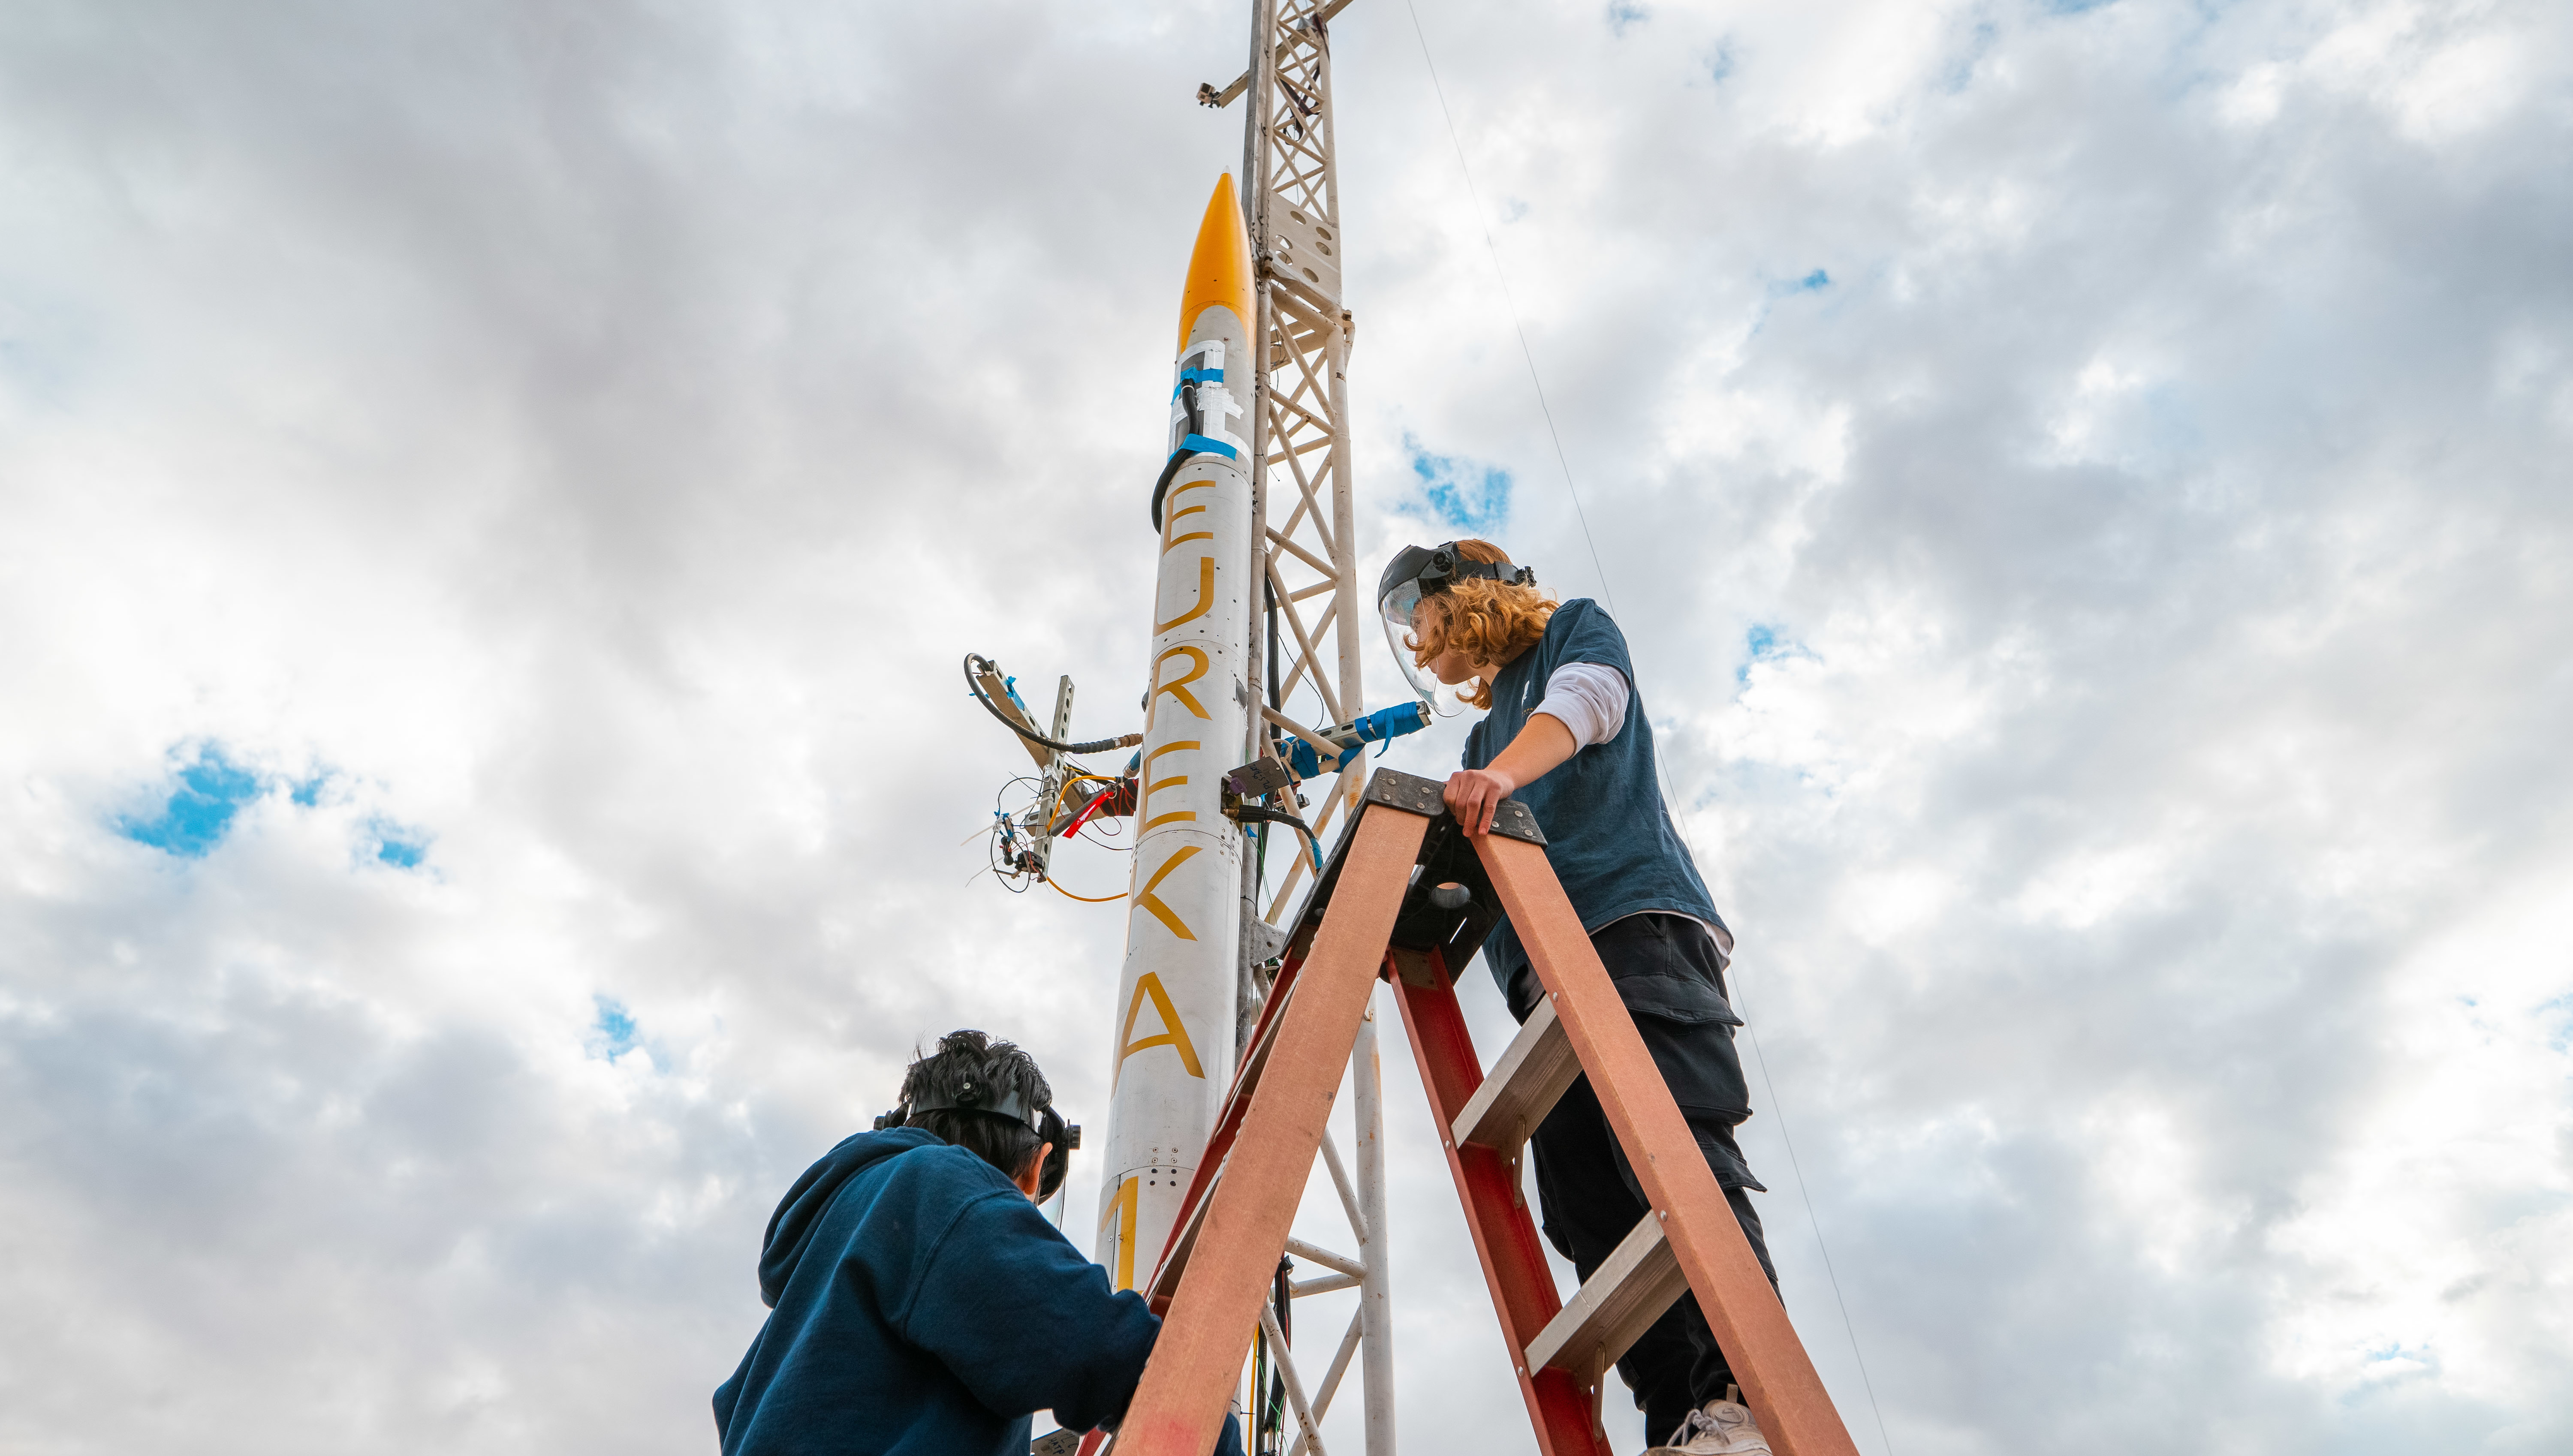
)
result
[(973, 1059)]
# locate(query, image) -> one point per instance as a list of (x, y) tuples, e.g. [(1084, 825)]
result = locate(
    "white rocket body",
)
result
[(1172, 1034)]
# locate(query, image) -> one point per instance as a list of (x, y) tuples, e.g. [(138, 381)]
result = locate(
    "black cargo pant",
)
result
[(1671, 978)]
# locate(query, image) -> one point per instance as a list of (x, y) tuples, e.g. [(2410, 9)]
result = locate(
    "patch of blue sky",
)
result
[(2387, 1364), (1774, 290), (1766, 643), (1719, 66), (396, 846), (210, 791), (1468, 494), (1985, 38), (613, 1032), (2074, 7), (1623, 13), (2559, 1014)]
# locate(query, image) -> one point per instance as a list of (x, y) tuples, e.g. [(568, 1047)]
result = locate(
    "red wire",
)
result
[(1083, 817)]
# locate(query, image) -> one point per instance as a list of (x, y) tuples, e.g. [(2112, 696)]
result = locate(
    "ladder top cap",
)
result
[(1416, 795)]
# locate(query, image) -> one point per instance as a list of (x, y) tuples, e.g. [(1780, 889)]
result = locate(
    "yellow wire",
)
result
[(1058, 809)]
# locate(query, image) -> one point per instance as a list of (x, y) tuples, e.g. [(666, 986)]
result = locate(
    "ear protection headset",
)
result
[(988, 1102), (1437, 567)]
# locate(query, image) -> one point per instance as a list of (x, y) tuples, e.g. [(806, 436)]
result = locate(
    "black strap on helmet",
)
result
[(1064, 1137), (1439, 567), (976, 1098)]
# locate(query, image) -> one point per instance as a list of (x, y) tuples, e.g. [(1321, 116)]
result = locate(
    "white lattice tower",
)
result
[(1303, 501)]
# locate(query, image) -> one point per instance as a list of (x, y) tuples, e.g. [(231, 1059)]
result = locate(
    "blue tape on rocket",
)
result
[(1391, 722), (1375, 727), (1302, 758)]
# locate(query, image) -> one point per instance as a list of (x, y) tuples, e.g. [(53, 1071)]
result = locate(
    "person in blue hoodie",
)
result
[(921, 1305)]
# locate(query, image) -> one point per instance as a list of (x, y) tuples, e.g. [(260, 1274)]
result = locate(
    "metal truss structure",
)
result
[(1300, 452), (1308, 637)]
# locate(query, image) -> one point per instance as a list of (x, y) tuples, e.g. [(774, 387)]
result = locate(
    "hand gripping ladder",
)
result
[(1407, 897)]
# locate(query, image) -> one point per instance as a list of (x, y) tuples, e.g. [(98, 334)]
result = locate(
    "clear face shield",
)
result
[(1400, 608), (1416, 574)]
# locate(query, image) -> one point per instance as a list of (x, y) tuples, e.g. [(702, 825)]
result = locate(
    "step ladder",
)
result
[(1407, 897)]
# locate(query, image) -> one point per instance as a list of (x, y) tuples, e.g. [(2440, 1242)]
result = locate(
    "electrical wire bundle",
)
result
[(977, 667), (1019, 837), (1017, 834)]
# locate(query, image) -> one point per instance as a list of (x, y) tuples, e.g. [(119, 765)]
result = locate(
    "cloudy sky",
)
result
[(492, 497)]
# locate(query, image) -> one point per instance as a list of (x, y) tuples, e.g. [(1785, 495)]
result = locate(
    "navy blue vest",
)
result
[(1608, 834)]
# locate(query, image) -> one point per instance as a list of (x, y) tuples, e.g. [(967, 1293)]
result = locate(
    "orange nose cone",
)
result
[(1220, 268)]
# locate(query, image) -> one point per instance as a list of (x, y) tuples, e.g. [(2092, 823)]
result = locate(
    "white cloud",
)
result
[(594, 435)]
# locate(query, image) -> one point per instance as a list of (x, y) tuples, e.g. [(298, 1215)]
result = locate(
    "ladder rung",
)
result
[(1523, 1085), (1611, 1311)]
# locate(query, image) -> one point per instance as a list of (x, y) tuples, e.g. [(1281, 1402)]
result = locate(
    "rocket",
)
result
[(1173, 1028)]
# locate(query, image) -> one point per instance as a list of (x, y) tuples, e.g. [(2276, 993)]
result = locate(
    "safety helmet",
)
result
[(1418, 571), (991, 1102)]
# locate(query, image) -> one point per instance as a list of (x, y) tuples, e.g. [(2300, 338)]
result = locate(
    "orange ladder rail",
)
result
[(1406, 896)]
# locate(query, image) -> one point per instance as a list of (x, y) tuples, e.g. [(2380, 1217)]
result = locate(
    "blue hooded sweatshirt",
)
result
[(924, 1307)]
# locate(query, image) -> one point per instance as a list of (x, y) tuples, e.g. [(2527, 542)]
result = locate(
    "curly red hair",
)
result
[(1490, 622)]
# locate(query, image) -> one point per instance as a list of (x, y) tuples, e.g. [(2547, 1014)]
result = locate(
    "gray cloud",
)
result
[(2137, 432)]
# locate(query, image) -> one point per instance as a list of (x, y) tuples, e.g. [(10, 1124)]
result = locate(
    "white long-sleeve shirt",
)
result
[(1590, 699)]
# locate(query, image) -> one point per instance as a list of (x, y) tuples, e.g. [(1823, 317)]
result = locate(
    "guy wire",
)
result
[(1563, 461), (1805, 1190), (1512, 303)]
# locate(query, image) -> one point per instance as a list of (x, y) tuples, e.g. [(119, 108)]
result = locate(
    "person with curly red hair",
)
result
[(1565, 734)]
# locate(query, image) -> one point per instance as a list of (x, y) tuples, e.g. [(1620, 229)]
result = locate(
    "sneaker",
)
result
[(1723, 1428)]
